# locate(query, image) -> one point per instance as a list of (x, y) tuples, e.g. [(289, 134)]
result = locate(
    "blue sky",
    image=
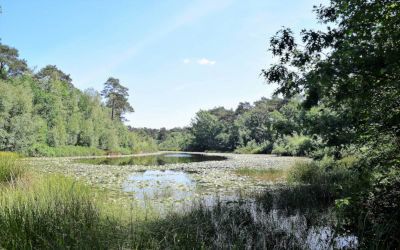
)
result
[(175, 56)]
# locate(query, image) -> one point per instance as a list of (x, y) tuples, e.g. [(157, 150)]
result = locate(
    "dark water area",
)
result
[(153, 160)]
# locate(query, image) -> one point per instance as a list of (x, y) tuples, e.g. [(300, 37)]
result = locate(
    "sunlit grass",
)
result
[(267, 174), (10, 167)]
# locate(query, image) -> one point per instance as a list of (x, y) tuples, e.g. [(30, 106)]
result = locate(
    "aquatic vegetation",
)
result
[(53, 211), (268, 174)]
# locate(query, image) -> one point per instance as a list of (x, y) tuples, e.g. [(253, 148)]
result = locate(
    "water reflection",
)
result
[(153, 160), (302, 215)]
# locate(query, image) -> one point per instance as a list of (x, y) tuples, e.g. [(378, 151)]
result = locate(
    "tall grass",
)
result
[(268, 174), (54, 213), (326, 172), (10, 168)]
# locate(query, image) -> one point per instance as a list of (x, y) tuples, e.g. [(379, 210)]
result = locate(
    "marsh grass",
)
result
[(55, 212), (268, 174), (10, 167), (335, 175)]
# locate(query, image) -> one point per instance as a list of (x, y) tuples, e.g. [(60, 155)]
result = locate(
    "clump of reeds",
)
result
[(10, 167), (266, 174)]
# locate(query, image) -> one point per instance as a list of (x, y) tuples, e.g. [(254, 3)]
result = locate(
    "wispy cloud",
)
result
[(186, 61), (205, 61), (191, 14)]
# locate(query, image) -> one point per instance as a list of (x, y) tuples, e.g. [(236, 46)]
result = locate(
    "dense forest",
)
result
[(44, 114)]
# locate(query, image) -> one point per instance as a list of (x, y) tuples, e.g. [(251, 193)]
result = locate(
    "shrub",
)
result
[(252, 147), (44, 150), (324, 172), (297, 145)]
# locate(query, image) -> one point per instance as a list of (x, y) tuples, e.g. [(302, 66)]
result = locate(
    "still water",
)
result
[(153, 160), (158, 185)]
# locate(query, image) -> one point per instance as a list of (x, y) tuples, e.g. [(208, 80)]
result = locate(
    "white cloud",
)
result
[(205, 61), (186, 61)]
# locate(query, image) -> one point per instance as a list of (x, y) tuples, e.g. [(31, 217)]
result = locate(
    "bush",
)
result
[(44, 150), (10, 167), (143, 144), (379, 211), (326, 172), (252, 147), (297, 145), (176, 141)]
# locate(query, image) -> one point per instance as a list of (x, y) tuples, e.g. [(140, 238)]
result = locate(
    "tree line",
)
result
[(275, 125), (42, 112)]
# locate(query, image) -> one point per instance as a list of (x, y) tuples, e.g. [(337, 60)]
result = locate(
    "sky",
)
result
[(176, 57)]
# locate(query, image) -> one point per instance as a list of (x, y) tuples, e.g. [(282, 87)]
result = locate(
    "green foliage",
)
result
[(141, 144), (10, 167), (337, 176), (10, 64), (116, 97), (350, 76), (252, 147), (297, 145), (44, 114), (176, 141), (53, 213), (207, 132), (45, 150)]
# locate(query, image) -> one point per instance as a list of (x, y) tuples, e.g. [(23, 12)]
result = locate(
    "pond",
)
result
[(153, 160), (288, 213)]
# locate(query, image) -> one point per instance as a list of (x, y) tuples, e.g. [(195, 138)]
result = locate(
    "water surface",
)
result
[(159, 185), (153, 160)]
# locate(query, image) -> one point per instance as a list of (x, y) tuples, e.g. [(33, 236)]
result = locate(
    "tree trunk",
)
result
[(112, 111)]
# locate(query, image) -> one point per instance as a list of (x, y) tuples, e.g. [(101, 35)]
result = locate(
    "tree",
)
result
[(206, 129), (116, 97), (242, 108), (353, 69), (51, 72), (10, 64)]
